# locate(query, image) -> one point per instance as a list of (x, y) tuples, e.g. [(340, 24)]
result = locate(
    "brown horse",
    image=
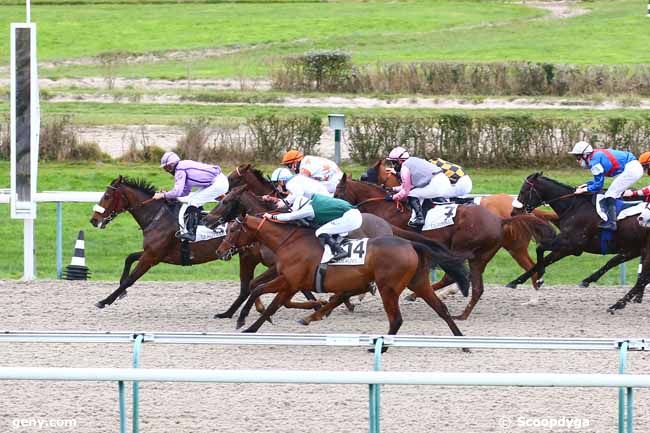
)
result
[(476, 233), (158, 222), (393, 263), (514, 241)]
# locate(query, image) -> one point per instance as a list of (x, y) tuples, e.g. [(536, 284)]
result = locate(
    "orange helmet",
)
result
[(644, 159), (292, 156)]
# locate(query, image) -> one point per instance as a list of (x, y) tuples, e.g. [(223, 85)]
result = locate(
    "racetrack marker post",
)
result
[(337, 123), (25, 125)]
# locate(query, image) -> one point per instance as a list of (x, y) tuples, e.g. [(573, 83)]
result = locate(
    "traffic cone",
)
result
[(77, 269)]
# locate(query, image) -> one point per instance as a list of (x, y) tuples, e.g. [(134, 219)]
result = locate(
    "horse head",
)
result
[(229, 208), (253, 178), (237, 237), (112, 203), (123, 194), (538, 190), (644, 217)]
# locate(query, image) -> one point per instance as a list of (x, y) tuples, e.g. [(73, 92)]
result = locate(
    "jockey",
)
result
[(644, 160), (295, 185), (333, 215), (420, 180), (209, 180), (461, 183), (607, 162), (315, 167)]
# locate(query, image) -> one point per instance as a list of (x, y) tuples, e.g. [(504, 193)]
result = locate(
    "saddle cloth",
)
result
[(439, 216), (624, 209), (356, 252), (204, 233)]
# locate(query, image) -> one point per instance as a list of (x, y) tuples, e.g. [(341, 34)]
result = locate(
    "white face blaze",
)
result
[(517, 204), (644, 217), (97, 208)]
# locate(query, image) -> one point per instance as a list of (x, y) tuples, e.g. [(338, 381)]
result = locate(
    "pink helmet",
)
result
[(398, 153), (169, 158)]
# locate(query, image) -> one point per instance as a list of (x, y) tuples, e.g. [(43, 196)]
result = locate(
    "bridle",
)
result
[(528, 207), (117, 204)]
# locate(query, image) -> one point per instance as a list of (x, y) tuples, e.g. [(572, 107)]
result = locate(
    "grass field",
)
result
[(615, 31), (106, 249)]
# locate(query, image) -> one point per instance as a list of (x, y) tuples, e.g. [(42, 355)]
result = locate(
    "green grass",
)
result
[(615, 31), (106, 249)]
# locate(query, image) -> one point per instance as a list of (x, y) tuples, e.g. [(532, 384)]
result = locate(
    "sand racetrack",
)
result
[(562, 312)]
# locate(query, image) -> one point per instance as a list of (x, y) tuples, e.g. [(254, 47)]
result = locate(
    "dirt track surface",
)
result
[(562, 312)]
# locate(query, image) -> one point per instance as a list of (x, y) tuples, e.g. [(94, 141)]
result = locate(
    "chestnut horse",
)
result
[(476, 233), (158, 221), (515, 241), (391, 262)]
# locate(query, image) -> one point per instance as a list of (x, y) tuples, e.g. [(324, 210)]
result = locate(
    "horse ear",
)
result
[(119, 179), (344, 178), (246, 167)]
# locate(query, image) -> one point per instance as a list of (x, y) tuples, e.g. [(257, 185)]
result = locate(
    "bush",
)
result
[(59, 141), (459, 78), (497, 141), (273, 135), (315, 70), (197, 133)]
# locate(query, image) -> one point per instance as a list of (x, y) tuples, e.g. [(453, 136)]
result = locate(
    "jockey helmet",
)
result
[(398, 153), (169, 158), (292, 156), (581, 148), (644, 159), (281, 174)]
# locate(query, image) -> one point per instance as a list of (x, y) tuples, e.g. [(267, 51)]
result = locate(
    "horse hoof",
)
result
[(248, 331), (458, 317), (222, 316), (240, 324), (511, 285), (302, 321), (584, 284), (100, 305), (540, 282), (466, 350), (411, 298), (350, 308)]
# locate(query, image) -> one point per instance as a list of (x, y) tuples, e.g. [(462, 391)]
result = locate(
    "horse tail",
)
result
[(537, 228), (452, 264), (455, 270)]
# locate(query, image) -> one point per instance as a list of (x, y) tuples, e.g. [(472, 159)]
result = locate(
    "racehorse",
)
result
[(514, 241), (476, 233), (158, 222), (240, 201), (579, 232), (392, 262), (247, 175)]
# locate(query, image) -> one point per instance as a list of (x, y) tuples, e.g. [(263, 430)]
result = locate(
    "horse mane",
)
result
[(140, 184), (556, 182), (259, 175)]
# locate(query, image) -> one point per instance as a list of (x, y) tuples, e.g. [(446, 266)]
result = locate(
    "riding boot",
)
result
[(418, 222), (191, 222), (337, 251), (609, 206)]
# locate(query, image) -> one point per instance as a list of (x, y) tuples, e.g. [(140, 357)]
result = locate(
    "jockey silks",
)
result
[(189, 174), (606, 162), (328, 208), (452, 171), (421, 171)]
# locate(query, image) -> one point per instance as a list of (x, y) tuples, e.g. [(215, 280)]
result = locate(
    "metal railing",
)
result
[(374, 379)]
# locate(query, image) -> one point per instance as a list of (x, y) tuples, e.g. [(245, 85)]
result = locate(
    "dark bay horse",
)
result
[(579, 232), (392, 262), (158, 222), (476, 233), (515, 241)]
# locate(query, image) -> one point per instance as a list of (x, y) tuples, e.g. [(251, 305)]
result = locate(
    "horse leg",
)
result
[(614, 261), (444, 282), (269, 287), (636, 290), (390, 299), (281, 298), (430, 297), (477, 266), (306, 305), (244, 291), (128, 262), (523, 259), (144, 264), (552, 257), (327, 309)]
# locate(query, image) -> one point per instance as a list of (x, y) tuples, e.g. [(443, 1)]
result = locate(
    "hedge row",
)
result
[(498, 141), (475, 140), (334, 72)]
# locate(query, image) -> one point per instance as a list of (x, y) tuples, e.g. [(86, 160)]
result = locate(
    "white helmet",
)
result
[(581, 148), (398, 153), (281, 173), (169, 158)]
